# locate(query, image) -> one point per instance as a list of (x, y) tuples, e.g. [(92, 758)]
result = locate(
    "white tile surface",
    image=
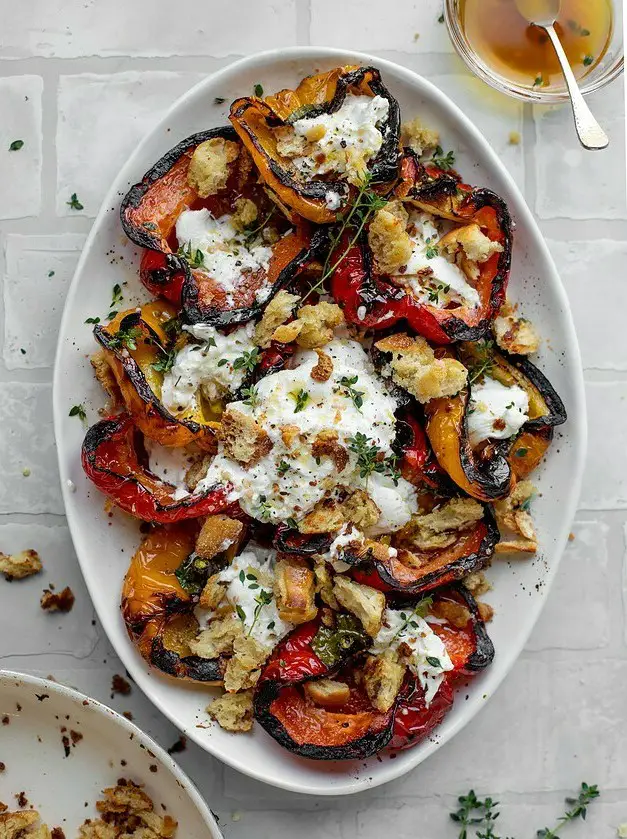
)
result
[(564, 167), (74, 28), (101, 120), (27, 443), (38, 268), (559, 717), (591, 269), (20, 171)]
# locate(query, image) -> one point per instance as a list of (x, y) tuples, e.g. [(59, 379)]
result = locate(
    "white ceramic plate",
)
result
[(39, 713), (104, 545)]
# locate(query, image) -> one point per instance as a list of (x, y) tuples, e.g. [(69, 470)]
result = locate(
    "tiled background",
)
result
[(80, 82)]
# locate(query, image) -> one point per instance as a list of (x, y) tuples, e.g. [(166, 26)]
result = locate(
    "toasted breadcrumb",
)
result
[(126, 812), (477, 247), (217, 534), (415, 368), (324, 583), (61, 602), (486, 612), (326, 516), (382, 679), (441, 527), (21, 565), (245, 214), (288, 143), (513, 517), (514, 334), (326, 445), (244, 439), (197, 472), (360, 510), (477, 583), (318, 322), (389, 241), (323, 369), (105, 377), (327, 692), (22, 823), (210, 165), (455, 613), (233, 711), (212, 593), (418, 137), (287, 333), (365, 602), (277, 312), (295, 589), (244, 667), (218, 638)]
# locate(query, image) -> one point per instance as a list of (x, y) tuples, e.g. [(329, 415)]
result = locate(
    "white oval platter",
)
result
[(104, 545)]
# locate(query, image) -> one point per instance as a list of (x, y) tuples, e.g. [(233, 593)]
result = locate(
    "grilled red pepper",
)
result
[(372, 301), (162, 275), (111, 461), (414, 720)]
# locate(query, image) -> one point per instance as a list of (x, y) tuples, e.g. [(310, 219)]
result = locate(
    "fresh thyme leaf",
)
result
[(331, 645), (443, 161), (126, 338), (219, 100), (578, 810), (51, 273), (282, 468), (194, 257), (441, 19), (116, 295), (365, 205), (78, 411), (433, 661), (251, 396), (521, 452), (92, 320), (16, 145), (258, 90), (301, 398), (291, 523), (172, 327), (264, 598), (149, 225), (165, 362), (369, 455), (265, 508), (247, 361), (222, 362), (74, 203), (588, 60), (357, 396), (241, 614), (485, 361)]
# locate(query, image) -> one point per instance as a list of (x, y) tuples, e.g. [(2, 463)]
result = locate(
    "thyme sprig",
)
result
[(365, 205), (347, 390), (578, 810), (126, 338), (251, 396), (371, 459), (485, 362)]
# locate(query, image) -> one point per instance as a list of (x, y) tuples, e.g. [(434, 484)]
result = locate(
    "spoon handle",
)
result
[(590, 133)]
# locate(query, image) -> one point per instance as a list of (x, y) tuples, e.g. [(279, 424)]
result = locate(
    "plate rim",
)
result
[(80, 699), (577, 417)]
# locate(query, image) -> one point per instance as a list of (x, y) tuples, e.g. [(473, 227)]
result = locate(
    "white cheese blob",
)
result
[(400, 626), (352, 136), (495, 411), (209, 366), (226, 256), (346, 534), (247, 577), (434, 279), (287, 482)]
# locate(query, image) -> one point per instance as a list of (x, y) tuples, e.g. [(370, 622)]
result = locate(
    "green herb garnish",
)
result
[(78, 411), (126, 338), (264, 598), (265, 508), (485, 361), (331, 645), (258, 90), (301, 398), (219, 100), (16, 145), (357, 396), (165, 362), (588, 60), (247, 361), (74, 203), (92, 320), (194, 257), (441, 160), (282, 468), (251, 396)]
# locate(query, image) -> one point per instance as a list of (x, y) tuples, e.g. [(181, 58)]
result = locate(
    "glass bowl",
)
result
[(609, 68)]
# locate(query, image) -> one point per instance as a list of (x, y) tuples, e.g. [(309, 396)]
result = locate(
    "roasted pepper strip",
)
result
[(254, 120), (134, 342), (111, 461), (158, 612), (488, 475), (415, 573), (414, 721), (372, 301)]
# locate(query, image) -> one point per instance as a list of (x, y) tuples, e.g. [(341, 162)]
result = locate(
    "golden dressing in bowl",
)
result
[(522, 53)]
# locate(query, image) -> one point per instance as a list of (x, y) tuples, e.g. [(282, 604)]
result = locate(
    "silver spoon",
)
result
[(544, 13)]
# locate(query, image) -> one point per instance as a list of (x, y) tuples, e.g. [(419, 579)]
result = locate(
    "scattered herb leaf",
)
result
[(74, 203)]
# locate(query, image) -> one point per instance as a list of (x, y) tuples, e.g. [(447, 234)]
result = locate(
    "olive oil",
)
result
[(522, 53)]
